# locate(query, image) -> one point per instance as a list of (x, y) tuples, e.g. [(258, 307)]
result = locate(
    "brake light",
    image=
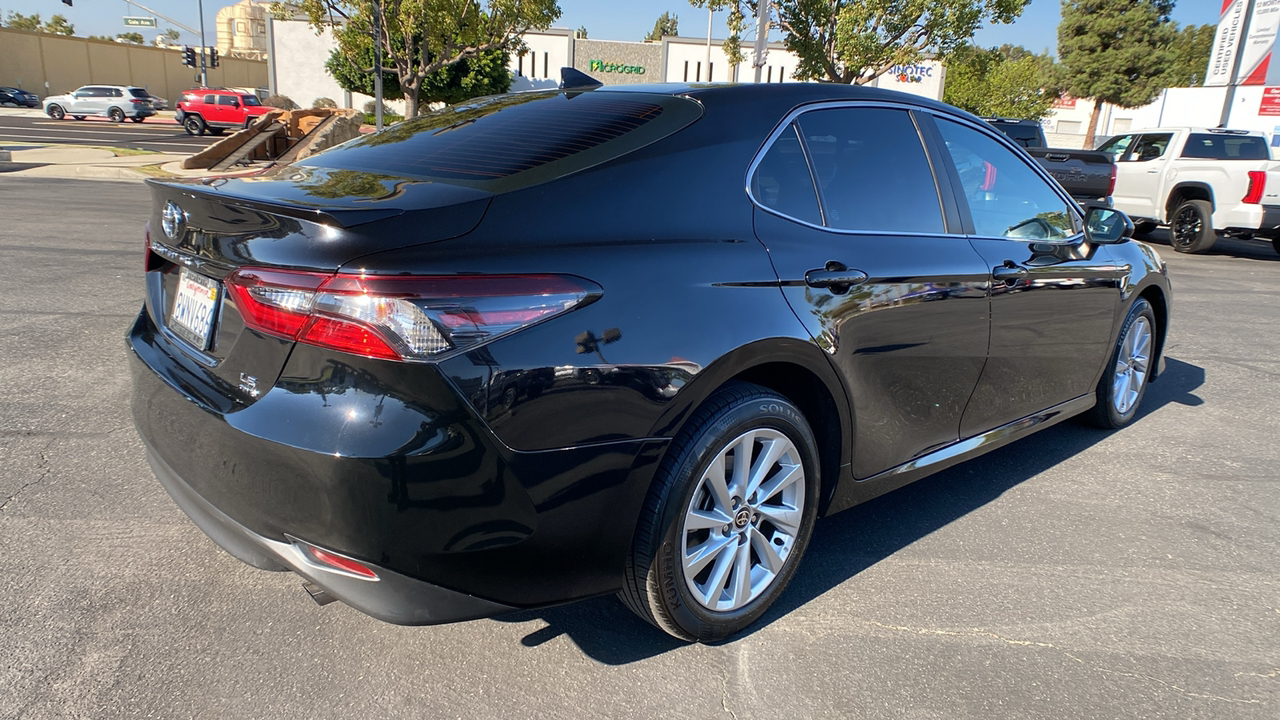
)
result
[(151, 261), (1257, 186), (137, 100), (1111, 188), (413, 318)]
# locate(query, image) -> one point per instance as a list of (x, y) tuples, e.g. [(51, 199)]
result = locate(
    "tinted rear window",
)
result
[(1226, 147), (508, 141), (138, 93), (1025, 135)]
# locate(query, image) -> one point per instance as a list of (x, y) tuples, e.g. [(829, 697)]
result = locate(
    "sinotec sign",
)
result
[(608, 67)]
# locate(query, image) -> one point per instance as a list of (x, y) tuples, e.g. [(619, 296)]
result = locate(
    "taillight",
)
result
[(333, 561), (151, 261), (1257, 186), (1111, 188), (398, 317), (136, 100)]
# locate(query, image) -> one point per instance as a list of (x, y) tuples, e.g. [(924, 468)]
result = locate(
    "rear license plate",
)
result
[(193, 308)]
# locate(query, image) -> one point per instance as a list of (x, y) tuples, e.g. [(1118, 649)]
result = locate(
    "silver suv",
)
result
[(112, 101)]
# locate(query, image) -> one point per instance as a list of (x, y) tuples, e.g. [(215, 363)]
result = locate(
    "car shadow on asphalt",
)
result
[(1248, 249), (852, 541)]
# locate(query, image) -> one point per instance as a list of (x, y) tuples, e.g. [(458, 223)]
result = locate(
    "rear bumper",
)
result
[(393, 597), (388, 466)]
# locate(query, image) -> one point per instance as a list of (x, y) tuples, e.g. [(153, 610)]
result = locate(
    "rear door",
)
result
[(1053, 298), (872, 261), (228, 110)]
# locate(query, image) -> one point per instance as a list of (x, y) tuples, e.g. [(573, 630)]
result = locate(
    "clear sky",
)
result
[(604, 19)]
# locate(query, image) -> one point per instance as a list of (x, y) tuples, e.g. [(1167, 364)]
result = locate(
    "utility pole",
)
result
[(708, 42), (1242, 40), (762, 37), (377, 66), (204, 69)]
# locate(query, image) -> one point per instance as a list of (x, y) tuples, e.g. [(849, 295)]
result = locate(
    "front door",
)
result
[(873, 263), (1054, 298), (1139, 169)]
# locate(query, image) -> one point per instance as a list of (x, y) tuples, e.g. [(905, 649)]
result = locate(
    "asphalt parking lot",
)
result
[(1076, 574)]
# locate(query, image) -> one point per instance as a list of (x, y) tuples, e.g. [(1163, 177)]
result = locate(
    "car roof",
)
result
[(792, 93), (1187, 128)]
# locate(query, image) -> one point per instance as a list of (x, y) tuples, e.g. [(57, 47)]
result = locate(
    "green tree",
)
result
[(486, 74), (419, 37), (172, 36), (58, 25), (30, 23), (1115, 51), (1191, 48), (856, 41), (581, 32), (666, 24), (131, 37), (1009, 81)]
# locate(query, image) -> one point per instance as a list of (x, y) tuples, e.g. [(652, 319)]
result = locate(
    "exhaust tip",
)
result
[(318, 594)]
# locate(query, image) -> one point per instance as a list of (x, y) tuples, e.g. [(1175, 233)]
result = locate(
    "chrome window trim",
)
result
[(789, 119)]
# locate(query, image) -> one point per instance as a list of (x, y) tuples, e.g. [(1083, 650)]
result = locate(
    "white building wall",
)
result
[(299, 56), (686, 61), (538, 68)]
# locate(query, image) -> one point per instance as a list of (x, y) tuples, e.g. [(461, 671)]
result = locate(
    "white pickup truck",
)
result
[(1199, 182)]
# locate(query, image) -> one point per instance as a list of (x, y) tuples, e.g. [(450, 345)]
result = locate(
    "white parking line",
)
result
[(112, 127), (84, 141), (79, 131)]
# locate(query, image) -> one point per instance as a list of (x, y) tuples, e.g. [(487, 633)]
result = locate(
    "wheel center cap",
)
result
[(742, 518)]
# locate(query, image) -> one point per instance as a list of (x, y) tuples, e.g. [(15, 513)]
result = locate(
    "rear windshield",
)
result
[(504, 142), (1027, 136), (1213, 146), (249, 100), (139, 93)]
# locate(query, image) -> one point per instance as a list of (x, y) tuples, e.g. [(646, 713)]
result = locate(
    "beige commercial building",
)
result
[(242, 30)]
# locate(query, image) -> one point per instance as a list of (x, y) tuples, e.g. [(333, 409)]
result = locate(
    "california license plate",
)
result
[(193, 308)]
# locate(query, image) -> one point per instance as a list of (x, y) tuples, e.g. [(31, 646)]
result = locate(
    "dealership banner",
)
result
[(1255, 50)]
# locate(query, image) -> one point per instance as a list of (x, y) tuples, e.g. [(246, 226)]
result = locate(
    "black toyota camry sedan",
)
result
[(553, 345)]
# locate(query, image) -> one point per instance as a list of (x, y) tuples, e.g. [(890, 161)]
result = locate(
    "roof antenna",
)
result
[(571, 79)]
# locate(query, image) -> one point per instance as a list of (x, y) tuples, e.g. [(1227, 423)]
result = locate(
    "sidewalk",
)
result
[(165, 117), (80, 162)]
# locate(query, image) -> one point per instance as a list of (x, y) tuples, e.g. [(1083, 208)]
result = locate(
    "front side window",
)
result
[(782, 181), (1006, 197), (1116, 146), (872, 171), (1150, 147), (250, 101), (227, 100)]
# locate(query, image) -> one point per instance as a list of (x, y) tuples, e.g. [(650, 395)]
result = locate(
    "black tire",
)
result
[(137, 119), (193, 124), (1144, 228), (216, 130), (56, 112), (116, 115), (248, 122), (655, 586), (1191, 229), (1110, 413)]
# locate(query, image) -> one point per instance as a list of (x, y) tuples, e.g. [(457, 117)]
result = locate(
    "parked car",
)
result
[(1088, 175), (551, 345), (116, 102), (18, 97), (217, 109), (157, 102), (1199, 182)]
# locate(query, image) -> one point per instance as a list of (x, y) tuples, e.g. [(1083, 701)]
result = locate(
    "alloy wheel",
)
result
[(1187, 227), (743, 519), (1131, 366)]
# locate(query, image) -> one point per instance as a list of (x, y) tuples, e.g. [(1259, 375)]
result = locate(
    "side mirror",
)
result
[(1106, 226), (235, 103)]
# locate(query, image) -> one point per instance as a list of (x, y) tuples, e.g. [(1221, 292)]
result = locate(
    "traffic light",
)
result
[(213, 57), (189, 57)]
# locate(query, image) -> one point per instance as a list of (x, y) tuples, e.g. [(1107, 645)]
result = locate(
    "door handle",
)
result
[(835, 276), (1010, 272), (1153, 171)]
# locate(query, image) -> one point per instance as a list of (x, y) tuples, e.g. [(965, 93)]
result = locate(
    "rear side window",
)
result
[(226, 100), (871, 170), (505, 142), (210, 99), (138, 93), (1212, 146), (1025, 135), (115, 92), (782, 181)]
